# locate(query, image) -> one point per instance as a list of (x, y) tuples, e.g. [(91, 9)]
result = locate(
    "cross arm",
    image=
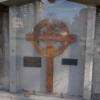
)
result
[(66, 38), (29, 37), (43, 37), (37, 37)]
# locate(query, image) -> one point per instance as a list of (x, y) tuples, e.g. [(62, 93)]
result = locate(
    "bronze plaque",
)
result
[(32, 61), (70, 62)]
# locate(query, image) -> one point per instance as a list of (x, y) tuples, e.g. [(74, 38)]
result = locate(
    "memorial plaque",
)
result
[(69, 62), (32, 61)]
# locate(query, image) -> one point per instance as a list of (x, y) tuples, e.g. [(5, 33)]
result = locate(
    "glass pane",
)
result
[(68, 18)]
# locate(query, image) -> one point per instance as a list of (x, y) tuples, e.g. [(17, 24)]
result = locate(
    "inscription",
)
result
[(32, 62)]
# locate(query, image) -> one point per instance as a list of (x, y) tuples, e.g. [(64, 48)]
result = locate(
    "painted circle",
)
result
[(57, 23)]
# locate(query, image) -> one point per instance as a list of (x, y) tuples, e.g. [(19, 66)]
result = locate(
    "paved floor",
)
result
[(8, 96), (12, 99), (9, 99)]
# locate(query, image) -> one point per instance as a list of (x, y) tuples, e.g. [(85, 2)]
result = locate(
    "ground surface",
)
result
[(14, 96), (11, 99)]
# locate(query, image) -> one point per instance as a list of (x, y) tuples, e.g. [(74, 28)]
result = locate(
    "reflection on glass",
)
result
[(67, 79)]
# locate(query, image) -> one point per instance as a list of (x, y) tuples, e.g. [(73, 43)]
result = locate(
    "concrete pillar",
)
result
[(12, 37), (89, 53), (96, 62)]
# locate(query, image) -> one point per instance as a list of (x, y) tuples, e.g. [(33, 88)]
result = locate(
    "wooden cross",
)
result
[(50, 36)]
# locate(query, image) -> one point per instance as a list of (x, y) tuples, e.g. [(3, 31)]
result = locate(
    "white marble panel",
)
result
[(69, 79), (12, 32)]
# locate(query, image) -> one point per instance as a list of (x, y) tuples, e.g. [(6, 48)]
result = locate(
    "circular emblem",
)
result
[(60, 25)]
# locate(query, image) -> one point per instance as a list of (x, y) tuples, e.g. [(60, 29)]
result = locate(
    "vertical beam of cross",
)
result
[(50, 49), (49, 81)]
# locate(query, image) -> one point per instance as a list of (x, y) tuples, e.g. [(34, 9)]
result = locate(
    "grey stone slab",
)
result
[(89, 53), (12, 31), (5, 96)]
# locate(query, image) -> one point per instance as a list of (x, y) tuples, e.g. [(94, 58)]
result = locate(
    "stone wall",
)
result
[(6, 68), (96, 62), (4, 50)]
